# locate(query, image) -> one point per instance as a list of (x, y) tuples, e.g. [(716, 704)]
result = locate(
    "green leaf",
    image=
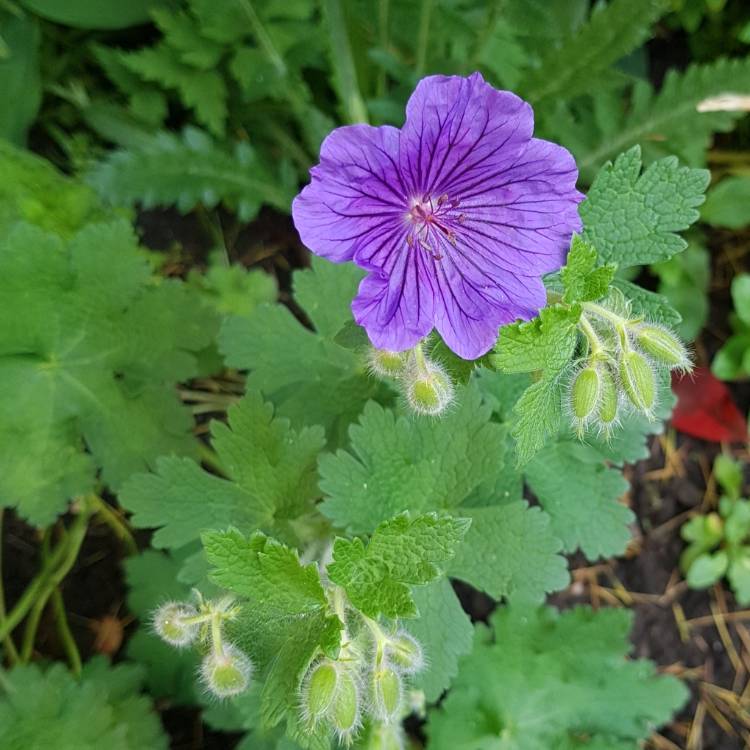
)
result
[(575, 662), (204, 91), (20, 75), (154, 174), (50, 708), (233, 290), (285, 620), (739, 576), (580, 493), (511, 551), (728, 203), (545, 343), (706, 569), (741, 296), (445, 632), (631, 217), (402, 552), (271, 480), (310, 377), (667, 122), (586, 57), (93, 14), (90, 356), (582, 279), (411, 463), (729, 475), (33, 191)]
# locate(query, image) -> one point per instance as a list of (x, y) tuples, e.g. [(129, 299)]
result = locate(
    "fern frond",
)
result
[(610, 34), (191, 170), (662, 123), (204, 91)]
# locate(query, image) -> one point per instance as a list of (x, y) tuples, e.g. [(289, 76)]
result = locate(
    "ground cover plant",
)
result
[(338, 350)]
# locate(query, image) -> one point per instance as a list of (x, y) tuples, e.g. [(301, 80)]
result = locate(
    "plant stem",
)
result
[(263, 38), (383, 41), (10, 647), (32, 621), (210, 458), (423, 37), (588, 331), (63, 629), (118, 524), (56, 567), (343, 63)]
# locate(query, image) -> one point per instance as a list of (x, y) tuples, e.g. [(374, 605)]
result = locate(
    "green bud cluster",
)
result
[(620, 366), (225, 669), (363, 685), (425, 385)]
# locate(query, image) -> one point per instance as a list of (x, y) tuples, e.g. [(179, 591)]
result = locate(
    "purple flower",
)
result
[(456, 216)]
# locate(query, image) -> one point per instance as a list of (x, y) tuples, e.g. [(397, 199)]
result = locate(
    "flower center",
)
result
[(432, 222)]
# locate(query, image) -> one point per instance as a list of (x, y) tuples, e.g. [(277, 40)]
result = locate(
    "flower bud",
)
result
[(584, 393), (387, 693), (344, 710), (663, 346), (404, 653), (608, 398), (387, 736), (319, 689), (170, 623), (429, 390), (226, 672), (385, 363), (638, 380)]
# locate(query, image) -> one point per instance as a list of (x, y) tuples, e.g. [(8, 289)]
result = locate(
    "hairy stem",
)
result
[(118, 524)]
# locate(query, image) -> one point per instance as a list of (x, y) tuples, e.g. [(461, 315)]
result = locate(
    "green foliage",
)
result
[(631, 217), (154, 174), (402, 552), (528, 661), (20, 78), (582, 278), (666, 122), (392, 466), (270, 484), (309, 376), (728, 203), (732, 361), (90, 357), (719, 543), (33, 191), (44, 708), (583, 59), (93, 14)]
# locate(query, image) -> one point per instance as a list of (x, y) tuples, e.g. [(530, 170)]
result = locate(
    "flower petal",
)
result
[(527, 214), (356, 192), (395, 305), (459, 129)]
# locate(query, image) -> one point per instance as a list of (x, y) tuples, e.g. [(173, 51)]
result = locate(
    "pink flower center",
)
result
[(432, 220)]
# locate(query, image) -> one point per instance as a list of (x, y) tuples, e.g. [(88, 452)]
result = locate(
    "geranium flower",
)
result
[(456, 216)]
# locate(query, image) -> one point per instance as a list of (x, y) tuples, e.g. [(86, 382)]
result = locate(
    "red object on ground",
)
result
[(705, 408)]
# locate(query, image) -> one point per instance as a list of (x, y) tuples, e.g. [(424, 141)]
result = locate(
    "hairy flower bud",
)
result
[(344, 711), (608, 398), (226, 672), (319, 690), (584, 393), (404, 653), (171, 623), (387, 694), (385, 363), (638, 380), (429, 389), (663, 346)]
